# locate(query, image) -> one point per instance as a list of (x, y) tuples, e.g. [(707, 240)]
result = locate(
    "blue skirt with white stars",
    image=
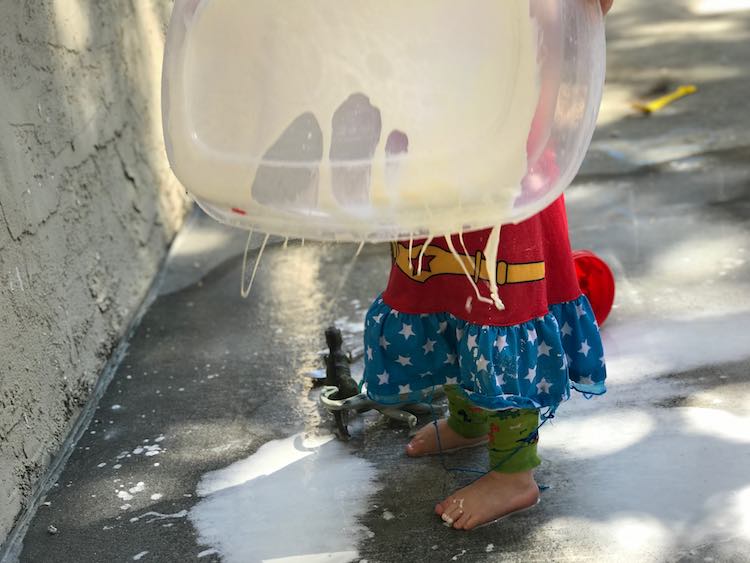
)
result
[(528, 365)]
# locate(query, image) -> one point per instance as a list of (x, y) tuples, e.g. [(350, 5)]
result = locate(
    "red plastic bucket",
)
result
[(596, 281)]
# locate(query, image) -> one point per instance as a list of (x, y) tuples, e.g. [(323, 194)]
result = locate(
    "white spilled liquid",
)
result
[(357, 117), (294, 500), (491, 255), (492, 250)]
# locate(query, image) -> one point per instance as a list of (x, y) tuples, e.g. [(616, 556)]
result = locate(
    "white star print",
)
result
[(459, 333), (404, 389), (544, 349), (451, 359), (531, 376), (384, 343), (443, 327), (471, 342), (429, 346), (602, 360), (383, 378), (580, 311), (369, 353), (406, 331), (500, 380), (451, 381), (404, 360), (543, 386), (502, 342), (585, 348), (566, 330), (482, 363), (377, 318), (531, 335)]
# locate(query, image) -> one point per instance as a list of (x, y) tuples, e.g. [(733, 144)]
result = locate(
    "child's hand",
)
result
[(606, 5)]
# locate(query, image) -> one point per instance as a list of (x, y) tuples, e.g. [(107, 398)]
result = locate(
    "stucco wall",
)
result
[(87, 208)]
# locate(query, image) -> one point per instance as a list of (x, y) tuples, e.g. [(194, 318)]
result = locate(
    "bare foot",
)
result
[(493, 496), (425, 440)]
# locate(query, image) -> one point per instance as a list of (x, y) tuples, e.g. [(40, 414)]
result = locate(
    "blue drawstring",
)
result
[(532, 436)]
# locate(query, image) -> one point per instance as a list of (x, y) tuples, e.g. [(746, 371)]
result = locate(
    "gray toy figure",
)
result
[(339, 375), (341, 393)]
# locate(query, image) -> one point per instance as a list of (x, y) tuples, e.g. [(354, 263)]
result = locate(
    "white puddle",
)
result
[(294, 500)]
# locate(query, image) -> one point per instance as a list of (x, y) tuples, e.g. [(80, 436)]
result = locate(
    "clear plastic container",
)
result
[(368, 121)]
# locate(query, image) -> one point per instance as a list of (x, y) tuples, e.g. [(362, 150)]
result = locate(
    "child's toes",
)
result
[(415, 448), (453, 510), (449, 517), (439, 509), (462, 521), (470, 523)]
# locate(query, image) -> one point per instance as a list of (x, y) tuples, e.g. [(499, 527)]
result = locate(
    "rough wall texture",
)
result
[(87, 208)]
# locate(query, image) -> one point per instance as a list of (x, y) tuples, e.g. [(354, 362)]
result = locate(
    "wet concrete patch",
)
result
[(209, 378)]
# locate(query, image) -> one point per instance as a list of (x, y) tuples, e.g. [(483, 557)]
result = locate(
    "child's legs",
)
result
[(464, 419), (512, 433), (509, 486), (513, 440), (466, 426)]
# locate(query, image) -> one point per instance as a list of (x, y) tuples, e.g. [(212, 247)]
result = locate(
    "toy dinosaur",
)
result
[(341, 393)]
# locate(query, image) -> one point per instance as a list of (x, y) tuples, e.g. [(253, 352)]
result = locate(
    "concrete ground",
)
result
[(209, 444)]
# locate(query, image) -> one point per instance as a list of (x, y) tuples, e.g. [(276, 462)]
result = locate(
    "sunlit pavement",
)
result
[(209, 444)]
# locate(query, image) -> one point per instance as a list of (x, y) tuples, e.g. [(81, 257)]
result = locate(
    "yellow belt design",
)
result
[(441, 262)]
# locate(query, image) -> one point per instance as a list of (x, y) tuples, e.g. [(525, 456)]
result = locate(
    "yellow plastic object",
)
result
[(660, 103)]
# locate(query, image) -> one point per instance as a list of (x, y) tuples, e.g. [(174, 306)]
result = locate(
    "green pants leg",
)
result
[(464, 419), (511, 448)]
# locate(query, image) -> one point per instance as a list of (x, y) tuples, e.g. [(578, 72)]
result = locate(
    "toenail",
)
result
[(447, 519)]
